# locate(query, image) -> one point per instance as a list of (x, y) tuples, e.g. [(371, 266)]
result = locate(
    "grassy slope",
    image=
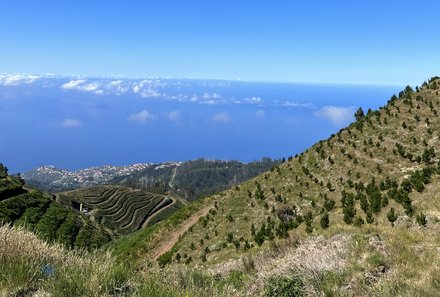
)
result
[(352, 156), (31, 267)]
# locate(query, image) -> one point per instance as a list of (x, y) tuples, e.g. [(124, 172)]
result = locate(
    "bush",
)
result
[(284, 287), (165, 259), (308, 220), (325, 221), (421, 219), (349, 211)]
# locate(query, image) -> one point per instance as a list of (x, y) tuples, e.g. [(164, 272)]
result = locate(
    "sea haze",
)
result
[(74, 122)]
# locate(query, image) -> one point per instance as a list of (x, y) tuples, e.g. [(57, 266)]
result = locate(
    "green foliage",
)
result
[(348, 209), (13, 208), (358, 221), (50, 222), (3, 171), (259, 194), (308, 219), (359, 114), (165, 259), (325, 221), (284, 287), (421, 219), (428, 155), (66, 233), (91, 237), (392, 215), (230, 237), (329, 204), (235, 279), (374, 197)]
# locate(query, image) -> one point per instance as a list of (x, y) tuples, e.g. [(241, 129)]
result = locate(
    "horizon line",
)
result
[(128, 77)]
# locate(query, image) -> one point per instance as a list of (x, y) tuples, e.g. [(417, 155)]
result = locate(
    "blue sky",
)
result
[(365, 42), (333, 56)]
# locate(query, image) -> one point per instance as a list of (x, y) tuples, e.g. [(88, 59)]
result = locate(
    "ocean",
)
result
[(75, 123)]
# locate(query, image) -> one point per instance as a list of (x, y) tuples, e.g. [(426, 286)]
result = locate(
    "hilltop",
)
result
[(355, 214)]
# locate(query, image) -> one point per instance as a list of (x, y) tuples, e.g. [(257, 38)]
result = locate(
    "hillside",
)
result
[(41, 214), (354, 215), (121, 210), (52, 179), (189, 180)]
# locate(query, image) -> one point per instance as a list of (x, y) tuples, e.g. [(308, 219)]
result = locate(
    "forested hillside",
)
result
[(49, 219), (189, 180)]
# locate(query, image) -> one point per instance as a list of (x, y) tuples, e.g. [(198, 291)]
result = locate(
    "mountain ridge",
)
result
[(190, 179)]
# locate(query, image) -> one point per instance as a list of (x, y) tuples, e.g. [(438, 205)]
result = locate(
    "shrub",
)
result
[(284, 287), (348, 207), (308, 220), (325, 221), (329, 204), (358, 221), (421, 219), (165, 259)]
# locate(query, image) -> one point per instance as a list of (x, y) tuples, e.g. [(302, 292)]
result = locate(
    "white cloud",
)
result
[(73, 84), (81, 85), (144, 88), (173, 116), (211, 96), (260, 113), (17, 79), (71, 123), (294, 104), (141, 117), (253, 100), (148, 88), (222, 117), (337, 115)]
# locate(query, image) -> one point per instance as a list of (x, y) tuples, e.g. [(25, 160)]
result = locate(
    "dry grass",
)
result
[(31, 266)]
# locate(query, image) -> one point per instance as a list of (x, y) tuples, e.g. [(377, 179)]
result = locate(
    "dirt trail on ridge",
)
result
[(170, 242)]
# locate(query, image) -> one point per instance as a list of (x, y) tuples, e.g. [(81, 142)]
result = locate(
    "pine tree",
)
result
[(308, 219), (325, 221), (392, 216)]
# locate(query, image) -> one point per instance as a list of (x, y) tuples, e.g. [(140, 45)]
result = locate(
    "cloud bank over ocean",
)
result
[(122, 120)]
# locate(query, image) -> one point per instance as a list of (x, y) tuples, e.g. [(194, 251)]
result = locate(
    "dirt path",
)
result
[(170, 183), (145, 224), (170, 242)]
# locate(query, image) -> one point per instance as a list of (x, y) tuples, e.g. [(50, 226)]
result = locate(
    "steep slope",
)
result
[(39, 212), (369, 191)]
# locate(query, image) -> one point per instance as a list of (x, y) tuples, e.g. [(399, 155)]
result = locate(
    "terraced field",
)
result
[(120, 210)]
